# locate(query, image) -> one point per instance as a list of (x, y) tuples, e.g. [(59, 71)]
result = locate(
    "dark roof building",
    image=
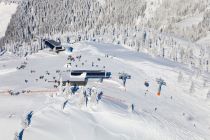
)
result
[(92, 74), (68, 78), (53, 44), (81, 77)]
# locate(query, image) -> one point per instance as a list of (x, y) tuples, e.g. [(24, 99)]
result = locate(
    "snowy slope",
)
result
[(6, 12), (152, 26), (181, 113)]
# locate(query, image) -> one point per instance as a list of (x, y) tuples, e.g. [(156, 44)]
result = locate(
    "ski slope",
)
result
[(177, 114)]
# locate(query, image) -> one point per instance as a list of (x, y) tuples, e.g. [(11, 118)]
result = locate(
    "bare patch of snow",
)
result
[(7, 71)]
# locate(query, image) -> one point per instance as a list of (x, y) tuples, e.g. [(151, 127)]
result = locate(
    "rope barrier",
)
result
[(30, 91)]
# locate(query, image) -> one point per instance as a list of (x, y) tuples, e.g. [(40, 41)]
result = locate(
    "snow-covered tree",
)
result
[(192, 87), (147, 27), (208, 95), (180, 77)]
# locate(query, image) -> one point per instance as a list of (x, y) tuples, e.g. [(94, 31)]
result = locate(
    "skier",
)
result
[(101, 80), (86, 100), (74, 89), (132, 107), (124, 81), (28, 118), (19, 136), (146, 92), (146, 83), (194, 126), (90, 91), (155, 109), (84, 93), (124, 76), (64, 104), (99, 96)]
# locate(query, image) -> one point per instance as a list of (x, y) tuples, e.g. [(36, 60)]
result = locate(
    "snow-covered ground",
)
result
[(6, 12), (177, 114)]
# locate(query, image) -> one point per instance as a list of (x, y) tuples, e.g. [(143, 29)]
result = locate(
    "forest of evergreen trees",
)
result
[(125, 22)]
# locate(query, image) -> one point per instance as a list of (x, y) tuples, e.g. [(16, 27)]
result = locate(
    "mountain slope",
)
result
[(159, 27), (181, 112), (36, 17)]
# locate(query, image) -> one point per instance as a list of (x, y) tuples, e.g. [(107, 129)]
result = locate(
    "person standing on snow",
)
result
[(124, 76), (124, 81), (146, 84), (90, 91), (99, 96), (84, 93), (86, 100), (132, 107)]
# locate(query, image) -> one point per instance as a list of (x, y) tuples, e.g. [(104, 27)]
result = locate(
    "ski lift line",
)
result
[(161, 83)]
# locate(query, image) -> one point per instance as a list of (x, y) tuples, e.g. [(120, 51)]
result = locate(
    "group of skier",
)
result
[(89, 93)]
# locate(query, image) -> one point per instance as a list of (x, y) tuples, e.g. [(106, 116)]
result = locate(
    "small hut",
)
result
[(53, 45)]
